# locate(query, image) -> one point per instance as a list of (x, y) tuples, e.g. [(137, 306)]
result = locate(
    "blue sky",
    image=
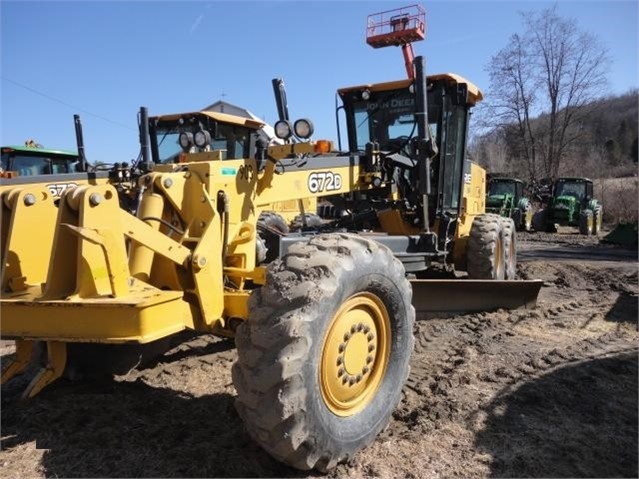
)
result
[(103, 60)]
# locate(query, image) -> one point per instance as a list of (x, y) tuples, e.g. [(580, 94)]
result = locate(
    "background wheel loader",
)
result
[(323, 317)]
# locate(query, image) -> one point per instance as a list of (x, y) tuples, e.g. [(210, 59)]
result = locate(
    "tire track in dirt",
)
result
[(455, 356)]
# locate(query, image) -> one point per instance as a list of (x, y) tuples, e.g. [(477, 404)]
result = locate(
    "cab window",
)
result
[(31, 165)]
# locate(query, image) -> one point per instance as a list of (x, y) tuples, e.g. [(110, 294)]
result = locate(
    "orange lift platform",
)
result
[(398, 27)]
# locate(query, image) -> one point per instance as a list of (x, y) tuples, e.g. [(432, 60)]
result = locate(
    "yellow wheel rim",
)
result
[(355, 354)]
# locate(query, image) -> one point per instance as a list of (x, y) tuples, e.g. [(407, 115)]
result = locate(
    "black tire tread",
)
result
[(274, 342), (510, 248), (485, 233)]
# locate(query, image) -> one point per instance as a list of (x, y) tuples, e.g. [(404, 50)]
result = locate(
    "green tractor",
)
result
[(506, 198), (572, 204), (31, 160)]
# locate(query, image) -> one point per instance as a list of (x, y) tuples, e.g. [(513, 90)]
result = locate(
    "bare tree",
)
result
[(539, 84)]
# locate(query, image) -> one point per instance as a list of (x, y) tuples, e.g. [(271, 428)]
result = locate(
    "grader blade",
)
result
[(469, 295)]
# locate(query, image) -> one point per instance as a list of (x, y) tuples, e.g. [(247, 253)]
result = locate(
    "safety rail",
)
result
[(396, 27)]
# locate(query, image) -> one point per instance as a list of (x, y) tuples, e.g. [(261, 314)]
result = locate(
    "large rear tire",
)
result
[(270, 226), (325, 352), (307, 221), (596, 220), (586, 222), (527, 218), (485, 252), (539, 220)]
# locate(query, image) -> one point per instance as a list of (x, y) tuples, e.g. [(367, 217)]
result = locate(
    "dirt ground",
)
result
[(548, 392)]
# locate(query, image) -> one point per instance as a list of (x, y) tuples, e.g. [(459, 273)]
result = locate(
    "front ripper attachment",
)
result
[(26, 353), (83, 290)]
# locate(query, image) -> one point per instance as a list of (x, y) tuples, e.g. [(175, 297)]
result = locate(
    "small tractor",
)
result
[(58, 170), (322, 319), (32, 159), (506, 198), (572, 204)]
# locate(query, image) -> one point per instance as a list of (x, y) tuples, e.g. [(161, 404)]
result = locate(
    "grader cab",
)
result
[(322, 319)]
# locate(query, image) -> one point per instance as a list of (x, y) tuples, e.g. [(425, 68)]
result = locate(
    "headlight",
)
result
[(202, 138), (283, 129), (186, 139), (303, 128), (366, 95)]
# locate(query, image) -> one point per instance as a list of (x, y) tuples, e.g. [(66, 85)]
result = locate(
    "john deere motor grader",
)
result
[(324, 329)]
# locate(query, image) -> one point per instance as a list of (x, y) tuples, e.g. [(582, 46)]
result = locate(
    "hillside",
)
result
[(604, 145)]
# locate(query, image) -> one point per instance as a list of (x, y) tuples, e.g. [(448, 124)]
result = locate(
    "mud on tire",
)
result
[(307, 221), (270, 225), (485, 251), (510, 248), (325, 352)]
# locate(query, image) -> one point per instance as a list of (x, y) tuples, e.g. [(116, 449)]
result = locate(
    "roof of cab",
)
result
[(37, 151), (217, 116), (474, 93)]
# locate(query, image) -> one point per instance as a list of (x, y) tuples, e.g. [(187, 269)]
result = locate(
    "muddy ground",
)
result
[(549, 392)]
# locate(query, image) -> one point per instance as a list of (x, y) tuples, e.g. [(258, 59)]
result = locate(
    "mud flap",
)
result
[(469, 295)]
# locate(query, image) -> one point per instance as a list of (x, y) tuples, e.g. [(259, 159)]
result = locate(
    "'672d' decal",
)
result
[(56, 189), (324, 181)]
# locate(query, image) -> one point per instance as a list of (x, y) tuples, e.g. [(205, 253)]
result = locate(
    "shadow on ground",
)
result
[(625, 309), (577, 421), (116, 429)]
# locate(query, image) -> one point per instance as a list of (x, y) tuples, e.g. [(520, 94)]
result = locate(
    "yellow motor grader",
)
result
[(322, 318)]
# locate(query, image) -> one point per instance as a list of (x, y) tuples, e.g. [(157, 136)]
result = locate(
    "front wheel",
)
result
[(325, 352)]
